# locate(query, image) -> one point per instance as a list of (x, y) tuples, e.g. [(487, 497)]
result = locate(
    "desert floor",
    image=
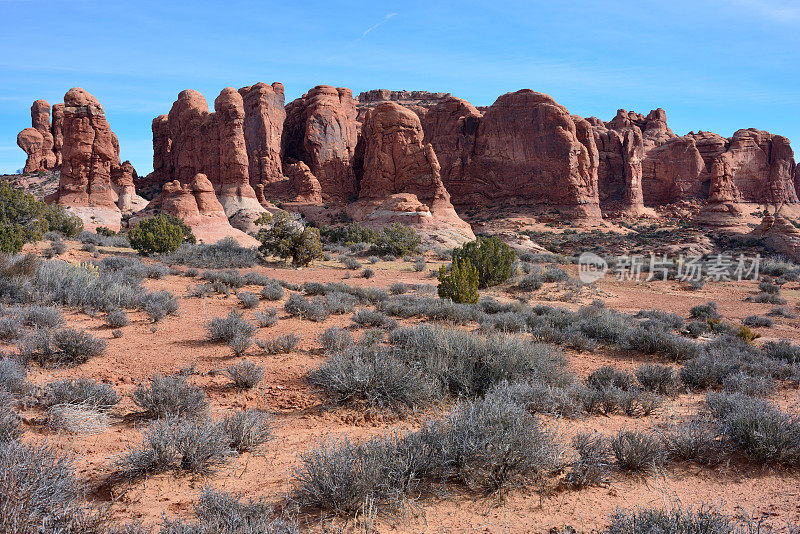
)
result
[(304, 418)]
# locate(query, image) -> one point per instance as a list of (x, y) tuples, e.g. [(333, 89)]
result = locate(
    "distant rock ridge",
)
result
[(525, 151), (417, 101), (751, 167)]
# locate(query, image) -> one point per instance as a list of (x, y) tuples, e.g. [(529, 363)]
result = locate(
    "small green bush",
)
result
[(636, 451), (62, 221), (460, 284), (105, 231), (23, 219), (11, 238), (705, 311), (170, 396), (652, 520), (161, 234), (490, 256), (353, 232), (281, 236), (397, 240), (244, 374), (248, 300)]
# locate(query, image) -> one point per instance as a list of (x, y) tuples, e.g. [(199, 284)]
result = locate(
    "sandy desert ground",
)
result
[(304, 417)]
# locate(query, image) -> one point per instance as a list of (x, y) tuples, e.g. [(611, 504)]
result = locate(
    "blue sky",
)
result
[(714, 65)]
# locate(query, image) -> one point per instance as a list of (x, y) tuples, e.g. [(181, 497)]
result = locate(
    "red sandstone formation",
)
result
[(58, 135), (122, 183), (751, 167), (40, 119), (162, 151), (780, 235), (710, 145), (304, 185), (321, 131), (42, 155), (672, 172), (655, 131), (761, 167), (619, 172), (757, 167), (233, 190), (89, 153), (796, 177), (450, 127), (190, 140), (31, 141), (524, 150), (401, 180), (264, 115), (196, 203), (417, 101), (93, 183), (529, 151)]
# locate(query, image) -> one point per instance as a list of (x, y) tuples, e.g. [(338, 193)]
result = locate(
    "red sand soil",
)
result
[(304, 420)]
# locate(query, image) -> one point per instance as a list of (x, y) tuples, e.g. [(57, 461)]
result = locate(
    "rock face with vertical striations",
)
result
[(190, 140), (89, 154), (752, 167), (321, 131), (762, 165), (619, 171), (58, 135), (796, 177), (530, 152), (92, 182), (264, 115), (672, 172), (162, 151), (233, 176), (40, 120), (451, 127), (523, 152), (401, 179), (756, 168)]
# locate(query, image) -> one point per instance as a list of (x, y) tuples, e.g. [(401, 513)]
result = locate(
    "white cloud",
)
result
[(386, 19)]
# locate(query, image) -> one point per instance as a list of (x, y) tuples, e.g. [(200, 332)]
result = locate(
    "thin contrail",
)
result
[(384, 21)]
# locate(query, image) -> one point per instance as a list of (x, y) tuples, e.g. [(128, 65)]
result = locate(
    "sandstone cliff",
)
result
[(93, 182), (321, 131), (402, 181)]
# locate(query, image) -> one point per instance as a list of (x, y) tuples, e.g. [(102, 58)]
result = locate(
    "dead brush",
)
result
[(76, 419)]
